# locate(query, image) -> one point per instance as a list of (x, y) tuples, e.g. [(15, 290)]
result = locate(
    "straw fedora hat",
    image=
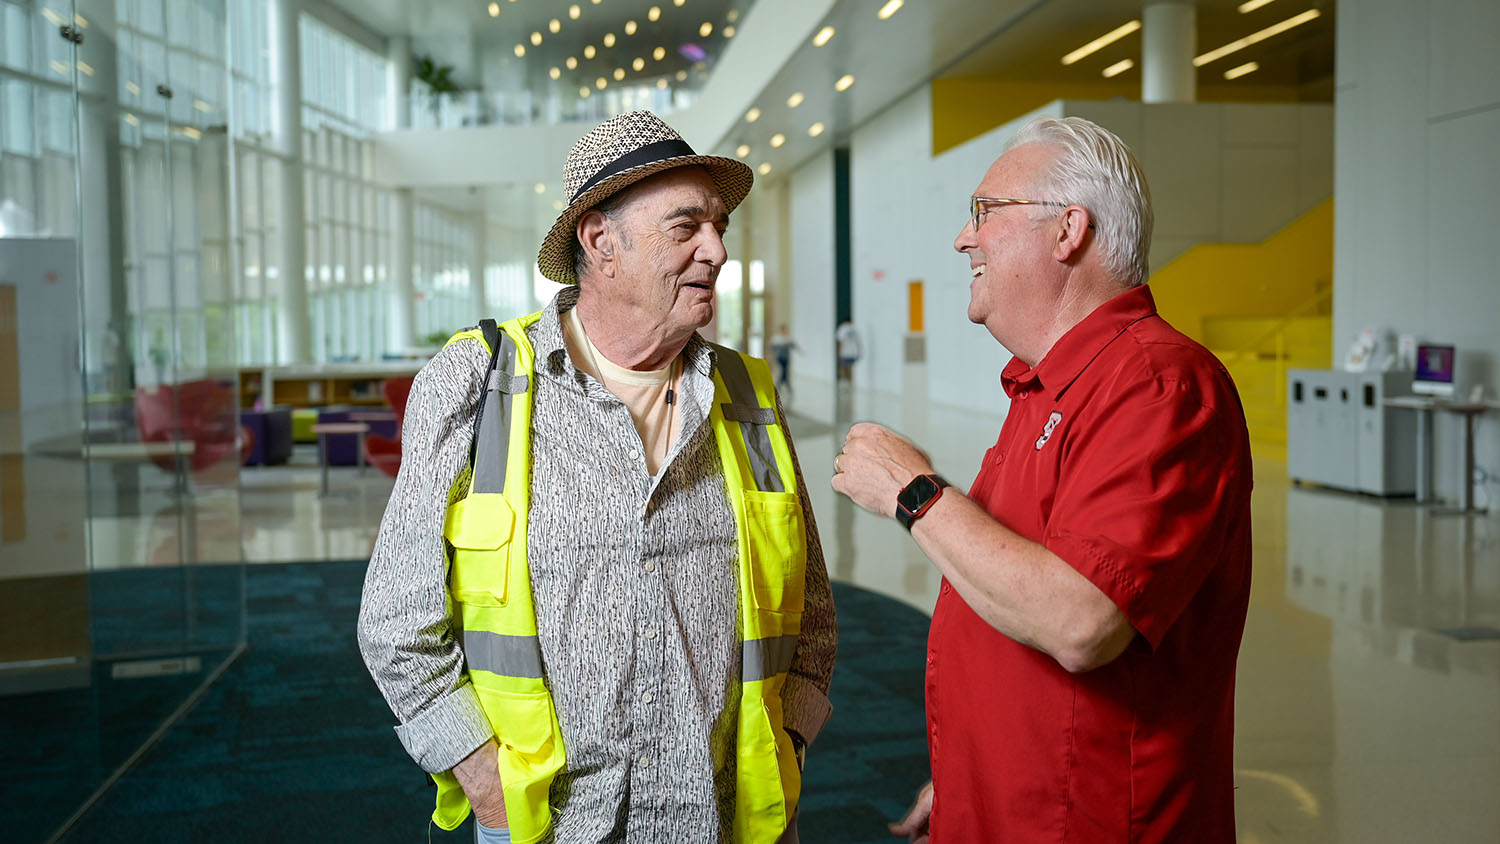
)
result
[(618, 153)]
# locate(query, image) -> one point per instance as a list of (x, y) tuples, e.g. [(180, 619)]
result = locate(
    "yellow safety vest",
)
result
[(489, 581)]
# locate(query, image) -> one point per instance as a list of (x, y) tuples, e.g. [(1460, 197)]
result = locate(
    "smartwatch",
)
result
[(917, 497)]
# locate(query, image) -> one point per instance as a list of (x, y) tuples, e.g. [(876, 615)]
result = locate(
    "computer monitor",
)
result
[(1434, 370)]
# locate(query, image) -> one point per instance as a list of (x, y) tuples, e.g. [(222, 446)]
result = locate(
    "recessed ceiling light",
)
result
[(733, 16), (572, 63), (589, 52), (659, 53), (1256, 37), (584, 92), (653, 13), (844, 82), (609, 39), (678, 2), (681, 76), (540, 188), (554, 25), (794, 100), (536, 39), (555, 73), (823, 36), (742, 150), (520, 50), (557, 204), (1251, 5), (706, 29), (601, 83), (630, 27), (778, 139), (889, 9), (815, 130), (494, 10), (1102, 41), (619, 73), (661, 83), (638, 64), (764, 168), (729, 31), (1118, 68), (752, 115), (1242, 70), (574, 12)]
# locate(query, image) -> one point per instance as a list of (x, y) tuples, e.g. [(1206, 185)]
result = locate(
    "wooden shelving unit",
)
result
[(320, 386)]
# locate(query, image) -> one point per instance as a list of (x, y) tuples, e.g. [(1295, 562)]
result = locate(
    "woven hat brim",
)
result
[(555, 259)]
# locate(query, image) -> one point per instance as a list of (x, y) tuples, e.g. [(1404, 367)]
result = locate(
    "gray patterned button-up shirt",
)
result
[(635, 589)]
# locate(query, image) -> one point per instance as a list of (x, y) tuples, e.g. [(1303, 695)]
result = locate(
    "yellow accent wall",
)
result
[(965, 107), (1267, 279)]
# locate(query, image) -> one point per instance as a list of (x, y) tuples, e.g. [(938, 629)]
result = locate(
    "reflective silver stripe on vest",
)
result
[(764, 658), (494, 445), (512, 656), (744, 408)]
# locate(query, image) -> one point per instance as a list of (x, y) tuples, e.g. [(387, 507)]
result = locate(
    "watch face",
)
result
[(921, 489)]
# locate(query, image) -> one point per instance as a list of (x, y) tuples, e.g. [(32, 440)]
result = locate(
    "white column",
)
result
[(401, 299), (476, 267), (294, 330), (398, 79), (1168, 43)]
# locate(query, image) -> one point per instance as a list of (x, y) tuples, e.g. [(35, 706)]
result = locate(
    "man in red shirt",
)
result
[(1080, 665)]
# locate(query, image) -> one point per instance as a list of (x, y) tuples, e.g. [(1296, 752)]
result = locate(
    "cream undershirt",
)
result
[(644, 394)]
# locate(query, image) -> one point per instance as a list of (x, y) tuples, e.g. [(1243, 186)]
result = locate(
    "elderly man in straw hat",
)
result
[(597, 603)]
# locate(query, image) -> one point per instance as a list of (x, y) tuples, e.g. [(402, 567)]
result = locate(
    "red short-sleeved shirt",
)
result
[(1124, 453)]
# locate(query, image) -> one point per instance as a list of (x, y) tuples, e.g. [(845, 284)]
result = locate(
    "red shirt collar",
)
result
[(1073, 351)]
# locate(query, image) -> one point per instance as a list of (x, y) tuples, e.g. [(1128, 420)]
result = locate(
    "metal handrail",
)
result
[(1278, 329)]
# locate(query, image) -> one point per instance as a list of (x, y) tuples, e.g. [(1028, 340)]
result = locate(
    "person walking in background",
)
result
[(597, 603), (782, 346), (1081, 660), (848, 348)]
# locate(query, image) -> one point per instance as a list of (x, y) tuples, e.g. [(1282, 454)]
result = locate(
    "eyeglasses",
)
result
[(977, 203)]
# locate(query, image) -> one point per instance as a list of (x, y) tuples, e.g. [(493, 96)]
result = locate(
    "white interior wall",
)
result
[(1218, 173), (812, 285), (1418, 105), (906, 209)]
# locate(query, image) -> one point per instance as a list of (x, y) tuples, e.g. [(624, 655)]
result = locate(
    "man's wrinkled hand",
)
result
[(479, 775)]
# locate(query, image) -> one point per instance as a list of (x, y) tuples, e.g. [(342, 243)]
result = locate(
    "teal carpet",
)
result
[(294, 743)]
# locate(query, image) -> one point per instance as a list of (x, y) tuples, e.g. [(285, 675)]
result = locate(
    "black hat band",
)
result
[(648, 154)]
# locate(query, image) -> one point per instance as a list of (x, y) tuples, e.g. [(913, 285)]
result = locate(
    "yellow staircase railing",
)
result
[(1259, 351)]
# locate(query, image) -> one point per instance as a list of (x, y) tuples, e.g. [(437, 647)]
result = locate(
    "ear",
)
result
[(597, 240), (1072, 233)]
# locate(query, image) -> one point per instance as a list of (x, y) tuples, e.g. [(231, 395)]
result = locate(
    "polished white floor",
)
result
[(1360, 719)]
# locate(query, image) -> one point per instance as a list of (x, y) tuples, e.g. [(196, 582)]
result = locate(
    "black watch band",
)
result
[(914, 499)]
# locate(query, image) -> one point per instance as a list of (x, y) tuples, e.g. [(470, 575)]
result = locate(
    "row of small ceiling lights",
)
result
[(609, 40), (822, 37), (1199, 61)]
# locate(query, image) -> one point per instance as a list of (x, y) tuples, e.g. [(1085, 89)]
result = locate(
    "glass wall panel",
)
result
[(120, 443)]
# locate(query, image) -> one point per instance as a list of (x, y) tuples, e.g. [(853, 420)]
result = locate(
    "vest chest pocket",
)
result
[(479, 528), (776, 541)]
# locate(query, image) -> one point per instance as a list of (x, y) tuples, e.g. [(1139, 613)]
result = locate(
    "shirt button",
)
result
[(650, 632), (647, 697), (650, 565), (644, 761), (635, 455)]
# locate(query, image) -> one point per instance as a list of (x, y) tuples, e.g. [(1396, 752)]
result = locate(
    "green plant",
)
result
[(438, 77)]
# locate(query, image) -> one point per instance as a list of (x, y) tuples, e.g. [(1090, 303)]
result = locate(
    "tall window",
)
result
[(348, 216), (443, 248)]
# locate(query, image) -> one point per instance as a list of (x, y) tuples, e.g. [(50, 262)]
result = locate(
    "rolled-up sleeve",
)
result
[(405, 631), (804, 698)]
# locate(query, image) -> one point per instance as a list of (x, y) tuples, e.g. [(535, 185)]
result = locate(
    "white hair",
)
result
[(1096, 170)]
